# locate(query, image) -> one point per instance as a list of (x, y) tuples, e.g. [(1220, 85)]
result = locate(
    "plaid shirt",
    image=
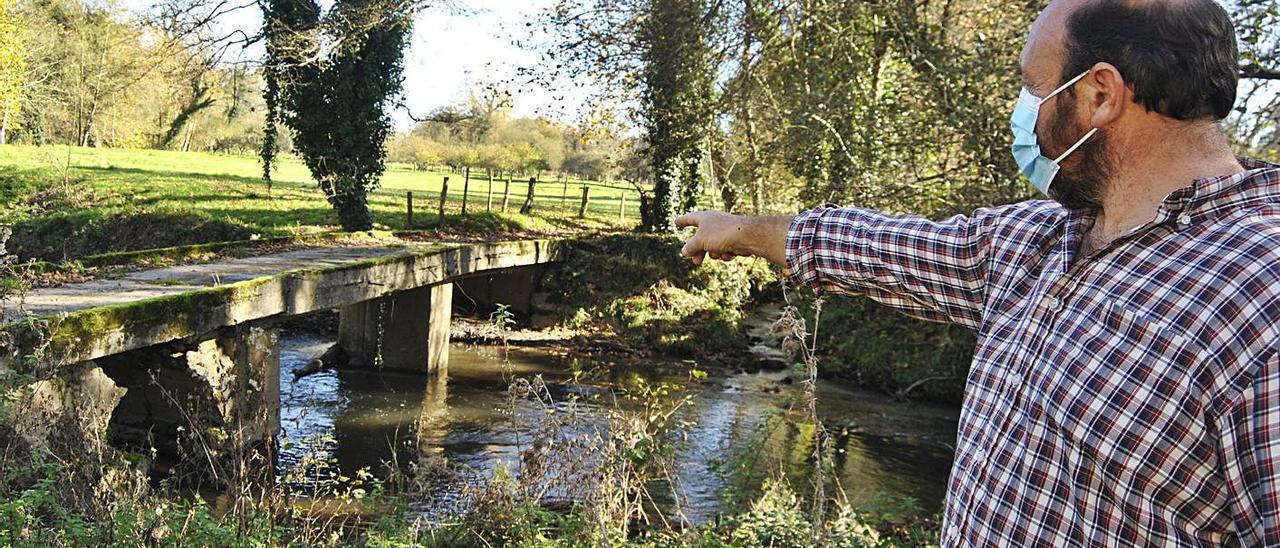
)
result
[(1131, 397)]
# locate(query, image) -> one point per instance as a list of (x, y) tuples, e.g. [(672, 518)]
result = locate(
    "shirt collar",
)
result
[(1211, 197)]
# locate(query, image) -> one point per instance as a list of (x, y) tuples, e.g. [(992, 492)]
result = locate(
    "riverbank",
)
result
[(650, 349)]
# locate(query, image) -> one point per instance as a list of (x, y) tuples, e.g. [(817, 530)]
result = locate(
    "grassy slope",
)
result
[(130, 199)]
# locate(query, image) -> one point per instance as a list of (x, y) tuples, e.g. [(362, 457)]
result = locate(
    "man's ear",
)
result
[(1107, 94)]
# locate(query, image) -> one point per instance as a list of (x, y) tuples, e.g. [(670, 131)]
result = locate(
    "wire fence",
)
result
[(555, 196)]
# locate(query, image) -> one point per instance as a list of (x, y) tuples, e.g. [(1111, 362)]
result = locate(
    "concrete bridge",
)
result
[(140, 358)]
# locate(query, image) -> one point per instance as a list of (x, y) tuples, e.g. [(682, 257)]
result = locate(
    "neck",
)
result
[(1172, 158)]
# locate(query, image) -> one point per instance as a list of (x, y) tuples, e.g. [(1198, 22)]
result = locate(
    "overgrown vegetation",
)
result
[(640, 289), (348, 59), (883, 350)]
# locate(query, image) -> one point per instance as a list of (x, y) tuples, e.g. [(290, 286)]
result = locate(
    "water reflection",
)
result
[(371, 418)]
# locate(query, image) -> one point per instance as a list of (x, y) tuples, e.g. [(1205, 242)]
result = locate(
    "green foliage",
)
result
[(336, 76), (775, 519), (882, 349), (1255, 126), (893, 105), (13, 63), (639, 288), (676, 105)]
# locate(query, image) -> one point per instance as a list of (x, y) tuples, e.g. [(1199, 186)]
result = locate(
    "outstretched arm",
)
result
[(932, 270)]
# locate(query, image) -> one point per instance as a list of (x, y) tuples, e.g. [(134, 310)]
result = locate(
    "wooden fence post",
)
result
[(466, 188), (488, 204), (408, 211), (444, 196), (506, 194), (564, 191), (586, 195), (622, 206), (527, 208)]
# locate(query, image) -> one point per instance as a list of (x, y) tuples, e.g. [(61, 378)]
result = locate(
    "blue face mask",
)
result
[(1026, 146)]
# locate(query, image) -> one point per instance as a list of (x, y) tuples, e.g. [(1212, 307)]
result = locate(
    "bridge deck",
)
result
[(84, 321), (166, 282)]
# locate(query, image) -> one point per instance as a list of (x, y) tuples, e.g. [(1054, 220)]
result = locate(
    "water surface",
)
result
[(366, 419)]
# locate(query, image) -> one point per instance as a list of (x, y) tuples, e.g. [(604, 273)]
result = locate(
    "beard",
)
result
[(1082, 181)]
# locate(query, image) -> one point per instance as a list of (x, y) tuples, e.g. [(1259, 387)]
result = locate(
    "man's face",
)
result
[(1081, 183)]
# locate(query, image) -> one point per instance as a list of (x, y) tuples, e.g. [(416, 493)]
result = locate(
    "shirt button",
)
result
[(1184, 220), (954, 532), (1053, 303)]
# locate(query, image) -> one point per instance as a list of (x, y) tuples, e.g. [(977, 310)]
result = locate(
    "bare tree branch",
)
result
[(1256, 72)]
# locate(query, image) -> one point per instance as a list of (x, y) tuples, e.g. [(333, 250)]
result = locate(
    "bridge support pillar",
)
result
[(406, 331), (203, 404)]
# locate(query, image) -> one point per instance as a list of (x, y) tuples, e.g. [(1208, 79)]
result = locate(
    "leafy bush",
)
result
[(641, 289)]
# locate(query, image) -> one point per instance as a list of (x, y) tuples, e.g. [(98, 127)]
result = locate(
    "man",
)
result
[(1125, 389)]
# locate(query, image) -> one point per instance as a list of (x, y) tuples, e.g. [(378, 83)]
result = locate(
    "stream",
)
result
[(884, 449)]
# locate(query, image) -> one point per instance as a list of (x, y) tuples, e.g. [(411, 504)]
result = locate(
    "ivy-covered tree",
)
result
[(330, 78), (676, 105)]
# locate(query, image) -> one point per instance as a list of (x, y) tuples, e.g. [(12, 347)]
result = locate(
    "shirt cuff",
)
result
[(801, 265)]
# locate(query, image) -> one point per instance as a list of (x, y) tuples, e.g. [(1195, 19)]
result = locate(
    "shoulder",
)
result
[(1031, 223), (1253, 236), (1236, 268), (1037, 213)]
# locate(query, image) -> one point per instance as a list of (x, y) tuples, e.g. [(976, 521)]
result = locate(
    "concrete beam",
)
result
[(406, 331)]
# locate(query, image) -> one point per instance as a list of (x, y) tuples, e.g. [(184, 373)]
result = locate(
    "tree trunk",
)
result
[(4, 127), (754, 185), (351, 203), (180, 122)]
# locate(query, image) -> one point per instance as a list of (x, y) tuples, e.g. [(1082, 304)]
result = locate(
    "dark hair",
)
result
[(1178, 56)]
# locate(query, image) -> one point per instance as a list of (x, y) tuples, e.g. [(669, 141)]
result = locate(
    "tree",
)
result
[(334, 76), (676, 105), (13, 64), (82, 59), (1255, 127)]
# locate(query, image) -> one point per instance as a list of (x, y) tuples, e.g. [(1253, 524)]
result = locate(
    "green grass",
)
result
[(121, 200)]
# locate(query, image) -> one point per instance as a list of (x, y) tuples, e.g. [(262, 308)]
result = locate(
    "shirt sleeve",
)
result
[(1249, 449), (931, 270)]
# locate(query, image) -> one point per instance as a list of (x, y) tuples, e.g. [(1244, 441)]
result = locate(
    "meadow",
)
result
[(68, 202)]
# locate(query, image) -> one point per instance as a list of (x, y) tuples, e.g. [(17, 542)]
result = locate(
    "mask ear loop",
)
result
[(1076, 146), (1069, 83)]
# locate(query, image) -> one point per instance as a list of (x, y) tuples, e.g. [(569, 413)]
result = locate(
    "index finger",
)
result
[(688, 219)]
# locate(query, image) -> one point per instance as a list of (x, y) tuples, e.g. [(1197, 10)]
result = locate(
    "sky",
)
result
[(452, 51)]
